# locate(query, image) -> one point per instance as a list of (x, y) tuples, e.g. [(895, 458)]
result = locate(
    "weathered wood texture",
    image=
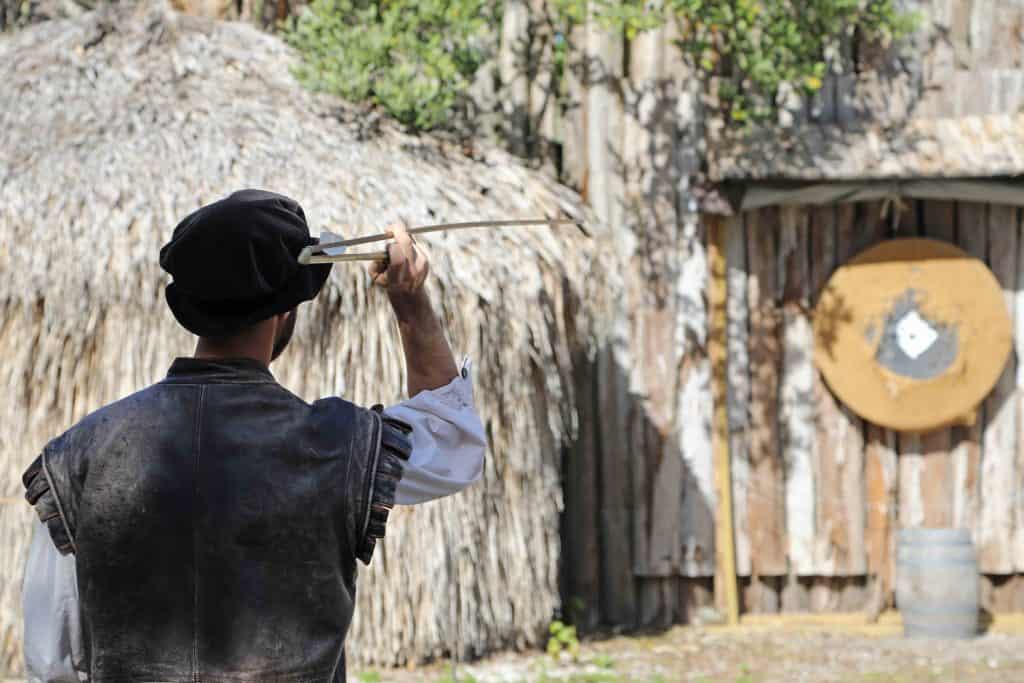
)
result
[(972, 237), (881, 475), (844, 508), (804, 501), (765, 493), (946, 103), (818, 494), (938, 221), (863, 482), (739, 389), (999, 493), (796, 391), (726, 595), (627, 111)]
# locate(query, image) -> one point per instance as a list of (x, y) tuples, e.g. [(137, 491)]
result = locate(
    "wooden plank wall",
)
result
[(846, 486), (862, 482), (818, 493), (639, 485)]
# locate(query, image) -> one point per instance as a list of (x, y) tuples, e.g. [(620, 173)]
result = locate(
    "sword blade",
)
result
[(448, 226), (310, 254)]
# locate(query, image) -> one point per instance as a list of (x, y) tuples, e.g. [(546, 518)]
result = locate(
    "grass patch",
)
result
[(746, 676), (595, 677), (449, 677)]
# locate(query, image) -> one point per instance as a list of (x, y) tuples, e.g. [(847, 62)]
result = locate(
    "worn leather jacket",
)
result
[(216, 520)]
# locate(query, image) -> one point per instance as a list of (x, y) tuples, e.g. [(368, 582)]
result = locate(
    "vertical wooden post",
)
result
[(726, 591), (515, 82)]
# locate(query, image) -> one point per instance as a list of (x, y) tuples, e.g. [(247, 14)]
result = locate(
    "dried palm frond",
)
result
[(117, 124)]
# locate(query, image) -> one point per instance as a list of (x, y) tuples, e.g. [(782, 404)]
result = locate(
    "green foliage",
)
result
[(414, 58), (584, 677), (368, 677), (745, 674), (563, 639), (450, 677), (594, 677), (604, 661), (752, 47), (576, 609)]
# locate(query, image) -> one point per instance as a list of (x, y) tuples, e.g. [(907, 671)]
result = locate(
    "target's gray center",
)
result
[(913, 345)]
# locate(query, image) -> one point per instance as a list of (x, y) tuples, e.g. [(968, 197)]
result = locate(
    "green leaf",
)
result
[(415, 59)]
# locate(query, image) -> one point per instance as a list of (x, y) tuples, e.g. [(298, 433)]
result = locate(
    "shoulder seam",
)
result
[(290, 395)]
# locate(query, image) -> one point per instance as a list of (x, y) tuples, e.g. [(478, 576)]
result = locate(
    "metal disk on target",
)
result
[(912, 334)]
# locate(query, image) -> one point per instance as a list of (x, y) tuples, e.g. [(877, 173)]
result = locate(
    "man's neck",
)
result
[(256, 343), (205, 354), (216, 349)]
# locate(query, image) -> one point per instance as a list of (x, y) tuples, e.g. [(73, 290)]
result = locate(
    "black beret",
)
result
[(234, 263)]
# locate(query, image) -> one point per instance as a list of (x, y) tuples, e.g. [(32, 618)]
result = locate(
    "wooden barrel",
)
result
[(937, 583)]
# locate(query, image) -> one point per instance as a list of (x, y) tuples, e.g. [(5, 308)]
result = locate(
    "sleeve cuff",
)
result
[(40, 494), (456, 395), (395, 449)]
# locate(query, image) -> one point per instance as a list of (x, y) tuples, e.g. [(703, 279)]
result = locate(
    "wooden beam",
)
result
[(726, 589), (766, 506)]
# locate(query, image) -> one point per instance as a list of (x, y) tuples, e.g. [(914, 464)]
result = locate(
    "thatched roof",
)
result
[(115, 125), (972, 146)]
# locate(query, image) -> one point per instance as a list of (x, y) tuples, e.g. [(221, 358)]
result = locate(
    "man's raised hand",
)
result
[(404, 273)]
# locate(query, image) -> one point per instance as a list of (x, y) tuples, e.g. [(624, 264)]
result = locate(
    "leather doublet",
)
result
[(216, 520)]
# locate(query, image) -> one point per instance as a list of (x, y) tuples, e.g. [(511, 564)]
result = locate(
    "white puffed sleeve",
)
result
[(53, 634), (448, 441)]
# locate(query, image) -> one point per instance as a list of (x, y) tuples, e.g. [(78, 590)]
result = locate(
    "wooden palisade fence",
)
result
[(817, 493)]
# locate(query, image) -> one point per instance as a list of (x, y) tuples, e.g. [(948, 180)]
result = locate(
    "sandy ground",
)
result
[(764, 653), (838, 649)]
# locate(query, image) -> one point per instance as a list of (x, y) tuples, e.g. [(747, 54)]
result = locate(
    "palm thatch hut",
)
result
[(116, 124)]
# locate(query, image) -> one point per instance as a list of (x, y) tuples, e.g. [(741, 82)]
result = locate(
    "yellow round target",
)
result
[(912, 334)]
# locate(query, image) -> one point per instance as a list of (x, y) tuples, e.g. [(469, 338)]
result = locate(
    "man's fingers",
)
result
[(378, 273), (415, 256), (404, 242), (421, 265), (379, 269), (407, 266)]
